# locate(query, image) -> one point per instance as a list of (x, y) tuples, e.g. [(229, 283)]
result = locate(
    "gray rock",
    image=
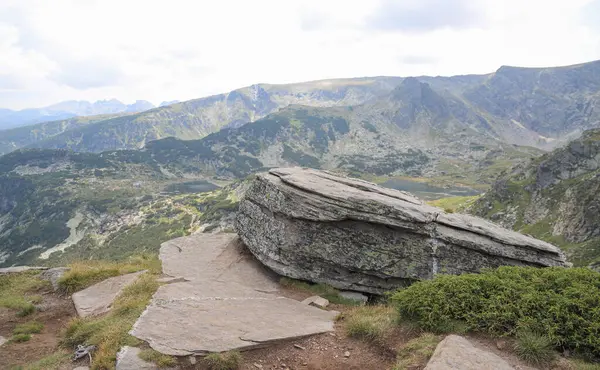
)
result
[(316, 301), (82, 368), (228, 303), (17, 269), (457, 353), (355, 296), (311, 225), (99, 298), (128, 359), (2, 340), (53, 275)]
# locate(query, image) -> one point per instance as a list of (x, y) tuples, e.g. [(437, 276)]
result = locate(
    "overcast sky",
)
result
[(163, 50)]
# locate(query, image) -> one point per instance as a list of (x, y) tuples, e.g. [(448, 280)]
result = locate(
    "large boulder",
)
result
[(352, 234)]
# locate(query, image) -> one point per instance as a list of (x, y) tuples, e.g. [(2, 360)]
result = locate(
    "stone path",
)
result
[(228, 301), (98, 298)]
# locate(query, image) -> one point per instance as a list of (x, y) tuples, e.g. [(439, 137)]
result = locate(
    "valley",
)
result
[(127, 192)]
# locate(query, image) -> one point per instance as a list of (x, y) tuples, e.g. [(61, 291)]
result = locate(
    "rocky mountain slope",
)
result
[(555, 197), (19, 137), (67, 109), (540, 107), (59, 206)]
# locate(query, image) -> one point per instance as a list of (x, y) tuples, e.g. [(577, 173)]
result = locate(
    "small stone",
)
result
[(53, 275), (316, 301), (81, 368), (355, 296), (347, 354), (299, 346), (2, 340), (258, 366), (333, 334), (193, 360), (501, 344)]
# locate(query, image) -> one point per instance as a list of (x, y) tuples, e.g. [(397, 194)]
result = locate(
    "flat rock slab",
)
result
[(128, 359), (457, 353), (17, 269), (98, 298), (219, 257), (229, 302)]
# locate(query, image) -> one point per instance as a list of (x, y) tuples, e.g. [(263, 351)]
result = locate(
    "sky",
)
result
[(58, 50)]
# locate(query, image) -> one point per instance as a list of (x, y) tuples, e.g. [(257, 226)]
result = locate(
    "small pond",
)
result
[(196, 186), (428, 192)]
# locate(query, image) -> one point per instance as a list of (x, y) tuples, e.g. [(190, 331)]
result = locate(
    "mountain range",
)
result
[(538, 107), (82, 182), (67, 109)]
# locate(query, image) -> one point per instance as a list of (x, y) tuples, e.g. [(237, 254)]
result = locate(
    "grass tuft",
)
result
[(55, 361), (223, 361), (534, 348), (31, 327), (84, 274), (110, 332), (371, 323), (20, 338), (416, 353), (161, 360), (16, 291)]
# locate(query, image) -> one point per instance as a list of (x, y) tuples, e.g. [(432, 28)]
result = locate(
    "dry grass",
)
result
[(86, 273), (416, 353), (370, 322), (31, 327), (223, 361), (162, 361), (110, 332), (16, 291)]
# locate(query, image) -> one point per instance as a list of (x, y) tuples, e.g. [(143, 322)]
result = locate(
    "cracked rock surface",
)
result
[(352, 234), (229, 301)]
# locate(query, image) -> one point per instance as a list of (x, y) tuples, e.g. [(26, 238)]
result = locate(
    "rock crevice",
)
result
[(349, 233)]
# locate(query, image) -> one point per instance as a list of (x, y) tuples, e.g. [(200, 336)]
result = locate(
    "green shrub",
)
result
[(561, 304), (534, 348), (32, 327), (224, 361)]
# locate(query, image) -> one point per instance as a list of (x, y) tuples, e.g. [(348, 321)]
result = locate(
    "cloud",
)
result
[(87, 74), (425, 15), (591, 15), (418, 59), (137, 49)]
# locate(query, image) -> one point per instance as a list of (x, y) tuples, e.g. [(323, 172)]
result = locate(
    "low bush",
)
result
[(223, 361), (560, 304)]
